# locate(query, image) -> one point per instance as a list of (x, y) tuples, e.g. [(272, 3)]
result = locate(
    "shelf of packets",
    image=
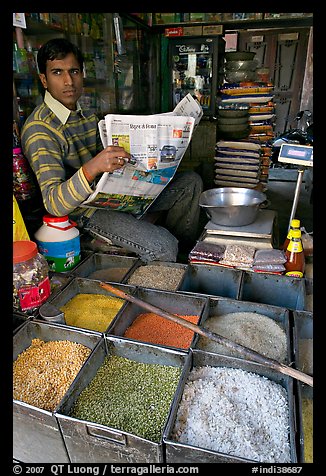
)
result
[(256, 99), (238, 163)]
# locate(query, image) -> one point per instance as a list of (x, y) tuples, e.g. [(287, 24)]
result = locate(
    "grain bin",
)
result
[(303, 341), (51, 311), (186, 305), (19, 319), (179, 452), (305, 419), (91, 442), (162, 275), (36, 434), (271, 338), (276, 290), (105, 267), (212, 280)]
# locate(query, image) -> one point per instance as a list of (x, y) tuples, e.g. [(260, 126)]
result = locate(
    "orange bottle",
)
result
[(295, 263), (294, 225)]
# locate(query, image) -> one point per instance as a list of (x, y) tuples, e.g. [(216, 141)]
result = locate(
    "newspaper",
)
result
[(156, 144)]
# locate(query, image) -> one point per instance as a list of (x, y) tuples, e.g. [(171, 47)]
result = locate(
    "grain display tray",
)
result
[(303, 341), (89, 442), (168, 301), (211, 280), (51, 312), (177, 452), (117, 267), (219, 307), (36, 434), (277, 290)]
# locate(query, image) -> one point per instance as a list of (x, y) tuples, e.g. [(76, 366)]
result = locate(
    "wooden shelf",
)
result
[(243, 24)]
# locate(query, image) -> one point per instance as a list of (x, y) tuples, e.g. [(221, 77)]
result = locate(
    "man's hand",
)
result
[(108, 160)]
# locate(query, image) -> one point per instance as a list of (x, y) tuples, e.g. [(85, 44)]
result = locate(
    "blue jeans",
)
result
[(180, 199)]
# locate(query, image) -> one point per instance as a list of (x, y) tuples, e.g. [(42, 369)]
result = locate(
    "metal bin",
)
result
[(219, 307), (168, 301), (304, 392), (165, 264), (36, 434), (276, 290), (212, 280), (107, 267), (309, 286), (50, 311), (19, 320), (302, 339), (177, 452), (89, 442)]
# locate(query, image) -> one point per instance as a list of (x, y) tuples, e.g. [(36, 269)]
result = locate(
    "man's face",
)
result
[(64, 80)]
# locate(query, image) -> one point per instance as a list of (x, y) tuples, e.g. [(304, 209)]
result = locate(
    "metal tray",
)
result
[(168, 301), (50, 311), (218, 306), (89, 442), (165, 264), (276, 290), (36, 434), (109, 268), (304, 391), (309, 287), (302, 331), (211, 280), (183, 453), (19, 320)]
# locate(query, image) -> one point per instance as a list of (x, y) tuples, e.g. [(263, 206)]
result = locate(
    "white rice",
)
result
[(253, 330), (235, 412)]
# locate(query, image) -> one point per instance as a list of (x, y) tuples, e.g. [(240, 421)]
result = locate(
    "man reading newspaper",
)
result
[(62, 143)]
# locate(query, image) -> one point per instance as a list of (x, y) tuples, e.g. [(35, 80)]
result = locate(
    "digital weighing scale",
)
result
[(301, 155)]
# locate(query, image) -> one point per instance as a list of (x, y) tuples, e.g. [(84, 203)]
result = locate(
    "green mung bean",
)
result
[(130, 396)]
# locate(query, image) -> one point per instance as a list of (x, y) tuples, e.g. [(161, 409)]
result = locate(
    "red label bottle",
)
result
[(295, 263)]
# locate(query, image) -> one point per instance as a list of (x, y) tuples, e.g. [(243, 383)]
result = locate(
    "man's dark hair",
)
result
[(57, 48)]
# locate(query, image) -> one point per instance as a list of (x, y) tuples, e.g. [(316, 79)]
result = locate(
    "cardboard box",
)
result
[(213, 30), (192, 30)]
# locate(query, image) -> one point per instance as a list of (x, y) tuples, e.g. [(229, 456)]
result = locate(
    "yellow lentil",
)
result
[(307, 421), (91, 311), (43, 372)]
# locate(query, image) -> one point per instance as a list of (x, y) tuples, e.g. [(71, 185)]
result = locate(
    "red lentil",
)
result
[(152, 328)]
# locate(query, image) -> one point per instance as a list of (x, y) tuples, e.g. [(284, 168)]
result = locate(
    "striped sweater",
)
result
[(56, 150)]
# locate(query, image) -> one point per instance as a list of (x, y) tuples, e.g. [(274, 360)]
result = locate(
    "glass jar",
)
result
[(31, 283), (22, 179)]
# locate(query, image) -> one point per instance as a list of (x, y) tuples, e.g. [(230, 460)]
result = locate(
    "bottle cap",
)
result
[(296, 234), (24, 250), (52, 219), (295, 223)]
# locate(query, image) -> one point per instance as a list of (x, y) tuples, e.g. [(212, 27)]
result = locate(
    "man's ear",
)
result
[(43, 80)]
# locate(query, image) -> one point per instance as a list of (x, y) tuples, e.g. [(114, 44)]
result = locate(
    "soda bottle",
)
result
[(294, 225), (295, 263)]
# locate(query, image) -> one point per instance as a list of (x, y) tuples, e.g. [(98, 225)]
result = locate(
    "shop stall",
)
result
[(204, 360)]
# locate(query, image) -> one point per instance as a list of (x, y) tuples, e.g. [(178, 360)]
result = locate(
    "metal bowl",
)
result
[(232, 206)]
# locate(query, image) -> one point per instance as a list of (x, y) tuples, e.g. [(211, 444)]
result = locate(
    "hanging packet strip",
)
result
[(19, 229)]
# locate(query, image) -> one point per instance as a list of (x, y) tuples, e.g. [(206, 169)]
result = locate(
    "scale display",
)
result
[(296, 154)]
